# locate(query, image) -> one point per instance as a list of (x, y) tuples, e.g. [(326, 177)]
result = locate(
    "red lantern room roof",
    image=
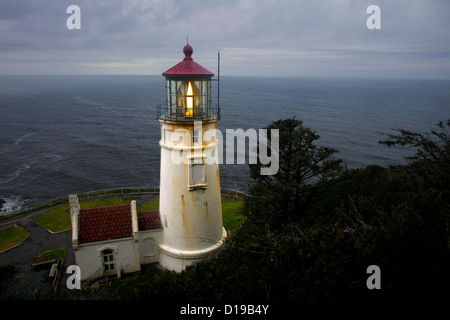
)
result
[(188, 66)]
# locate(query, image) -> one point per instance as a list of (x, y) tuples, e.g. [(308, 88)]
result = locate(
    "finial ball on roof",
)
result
[(187, 50)]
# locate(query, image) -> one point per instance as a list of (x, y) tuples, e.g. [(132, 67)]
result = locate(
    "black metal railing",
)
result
[(184, 114)]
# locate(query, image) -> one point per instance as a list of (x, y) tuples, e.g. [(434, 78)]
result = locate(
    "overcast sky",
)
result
[(315, 38)]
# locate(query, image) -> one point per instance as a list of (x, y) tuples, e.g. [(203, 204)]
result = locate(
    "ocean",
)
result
[(72, 134)]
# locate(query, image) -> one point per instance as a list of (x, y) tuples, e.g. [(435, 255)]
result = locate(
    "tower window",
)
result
[(197, 176), (195, 134)]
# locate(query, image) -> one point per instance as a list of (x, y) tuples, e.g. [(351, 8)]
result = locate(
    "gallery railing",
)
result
[(187, 114)]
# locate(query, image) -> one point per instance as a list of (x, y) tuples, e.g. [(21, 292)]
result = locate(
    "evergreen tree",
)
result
[(432, 157), (304, 169)]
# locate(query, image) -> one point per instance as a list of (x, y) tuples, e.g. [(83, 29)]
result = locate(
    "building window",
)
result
[(108, 260), (197, 176)]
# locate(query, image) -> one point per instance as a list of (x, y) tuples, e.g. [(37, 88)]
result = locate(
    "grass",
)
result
[(59, 254), (103, 203), (12, 237), (231, 216), (57, 220), (149, 205)]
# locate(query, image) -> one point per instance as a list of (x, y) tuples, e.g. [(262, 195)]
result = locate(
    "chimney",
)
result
[(74, 214)]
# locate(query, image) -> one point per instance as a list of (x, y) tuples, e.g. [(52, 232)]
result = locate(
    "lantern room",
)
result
[(188, 91)]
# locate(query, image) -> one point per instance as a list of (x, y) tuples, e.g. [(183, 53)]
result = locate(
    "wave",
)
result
[(46, 159), (16, 173), (24, 137), (12, 204), (92, 103)]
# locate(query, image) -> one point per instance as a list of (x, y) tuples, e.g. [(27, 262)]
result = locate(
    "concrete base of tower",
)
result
[(178, 260)]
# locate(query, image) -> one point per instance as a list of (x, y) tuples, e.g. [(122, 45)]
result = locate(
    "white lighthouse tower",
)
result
[(190, 203)]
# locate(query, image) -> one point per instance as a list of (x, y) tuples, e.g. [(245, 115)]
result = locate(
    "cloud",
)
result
[(256, 37)]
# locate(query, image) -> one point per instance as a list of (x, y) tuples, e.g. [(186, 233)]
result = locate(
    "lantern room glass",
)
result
[(189, 99)]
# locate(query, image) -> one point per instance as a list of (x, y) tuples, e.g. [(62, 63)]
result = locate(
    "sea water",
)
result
[(72, 134)]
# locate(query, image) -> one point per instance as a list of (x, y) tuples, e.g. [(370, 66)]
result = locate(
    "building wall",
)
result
[(88, 257)]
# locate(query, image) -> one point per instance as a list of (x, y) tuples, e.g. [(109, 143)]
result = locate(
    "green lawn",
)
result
[(231, 217), (59, 254), (12, 237), (55, 220), (103, 203), (149, 205)]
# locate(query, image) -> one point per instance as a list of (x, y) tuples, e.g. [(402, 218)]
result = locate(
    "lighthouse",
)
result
[(190, 202)]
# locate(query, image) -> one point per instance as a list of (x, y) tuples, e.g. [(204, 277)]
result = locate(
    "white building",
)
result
[(112, 240)]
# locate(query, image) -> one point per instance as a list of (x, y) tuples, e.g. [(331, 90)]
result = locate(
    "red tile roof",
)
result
[(110, 222), (149, 220), (188, 66)]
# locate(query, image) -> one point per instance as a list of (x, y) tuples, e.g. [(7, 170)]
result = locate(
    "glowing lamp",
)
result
[(189, 101), (188, 91)]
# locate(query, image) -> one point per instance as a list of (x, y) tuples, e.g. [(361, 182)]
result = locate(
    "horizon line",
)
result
[(230, 76)]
